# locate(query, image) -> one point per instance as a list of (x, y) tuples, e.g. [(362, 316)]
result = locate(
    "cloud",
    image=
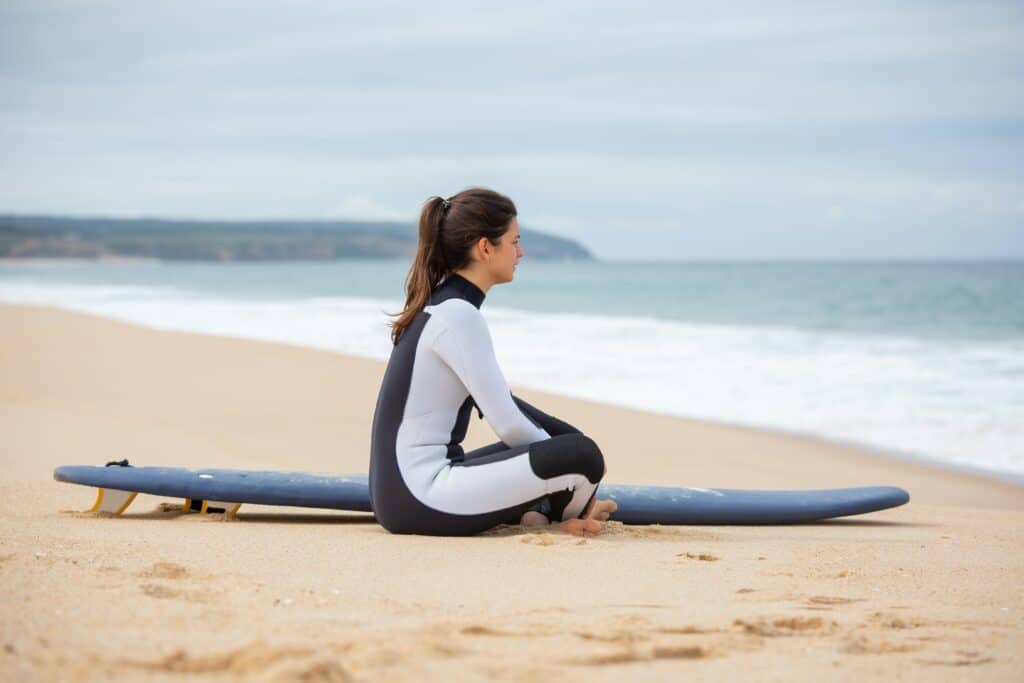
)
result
[(595, 117), (361, 207)]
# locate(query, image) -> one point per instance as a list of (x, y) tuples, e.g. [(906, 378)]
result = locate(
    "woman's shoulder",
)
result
[(457, 313)]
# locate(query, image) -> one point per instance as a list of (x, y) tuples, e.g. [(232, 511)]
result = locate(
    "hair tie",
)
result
[(445, 204)]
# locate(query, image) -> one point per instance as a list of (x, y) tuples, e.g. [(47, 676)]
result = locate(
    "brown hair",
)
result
[(446, 235)]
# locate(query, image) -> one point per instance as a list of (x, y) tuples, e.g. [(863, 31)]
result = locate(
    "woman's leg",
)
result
[(542, 506), (553, 426), (470, 496), (566, 468)]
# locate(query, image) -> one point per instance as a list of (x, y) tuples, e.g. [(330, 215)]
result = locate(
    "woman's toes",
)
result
[(603, 509)]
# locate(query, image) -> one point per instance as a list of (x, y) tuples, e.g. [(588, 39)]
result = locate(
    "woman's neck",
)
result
[(478, 279)]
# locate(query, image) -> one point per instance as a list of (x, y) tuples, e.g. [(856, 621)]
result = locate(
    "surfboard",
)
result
[(221, 490)]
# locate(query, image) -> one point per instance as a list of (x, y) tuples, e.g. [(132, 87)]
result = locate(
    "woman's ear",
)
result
[(483, 249)]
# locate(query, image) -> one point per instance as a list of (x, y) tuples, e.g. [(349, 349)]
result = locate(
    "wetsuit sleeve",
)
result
[(552, 425), (465, 346)]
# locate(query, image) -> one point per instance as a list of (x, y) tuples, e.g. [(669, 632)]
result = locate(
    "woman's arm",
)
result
[(552, 425), (466, 347)]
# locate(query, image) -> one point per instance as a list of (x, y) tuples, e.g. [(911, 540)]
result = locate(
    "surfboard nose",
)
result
[(898, 496)]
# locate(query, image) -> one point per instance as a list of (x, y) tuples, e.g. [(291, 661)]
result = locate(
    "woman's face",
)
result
[(507, 254)]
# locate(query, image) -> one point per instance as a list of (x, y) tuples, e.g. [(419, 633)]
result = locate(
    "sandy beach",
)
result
[(930, 591)]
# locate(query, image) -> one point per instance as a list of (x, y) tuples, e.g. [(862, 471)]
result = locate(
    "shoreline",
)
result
[(910, 457)]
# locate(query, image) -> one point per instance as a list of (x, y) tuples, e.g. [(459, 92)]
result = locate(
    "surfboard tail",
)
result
[(114, 502)]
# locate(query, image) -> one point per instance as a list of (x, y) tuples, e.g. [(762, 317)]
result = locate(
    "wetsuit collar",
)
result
[(457, 287)]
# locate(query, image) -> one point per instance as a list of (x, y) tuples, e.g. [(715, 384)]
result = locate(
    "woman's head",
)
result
[(474, 231)]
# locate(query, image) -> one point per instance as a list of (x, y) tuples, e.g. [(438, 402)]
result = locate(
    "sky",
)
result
[(646, 131)]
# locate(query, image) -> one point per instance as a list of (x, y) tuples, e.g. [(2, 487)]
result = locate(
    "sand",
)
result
[(932, 590)]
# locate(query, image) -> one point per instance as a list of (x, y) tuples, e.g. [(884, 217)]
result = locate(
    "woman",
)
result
[(441, 366)]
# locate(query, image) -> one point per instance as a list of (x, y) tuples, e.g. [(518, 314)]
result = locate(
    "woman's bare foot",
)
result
[(601, 510), (594, 516), (576, 527)]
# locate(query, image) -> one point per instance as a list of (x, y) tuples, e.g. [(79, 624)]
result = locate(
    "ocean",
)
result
[(911, 358)]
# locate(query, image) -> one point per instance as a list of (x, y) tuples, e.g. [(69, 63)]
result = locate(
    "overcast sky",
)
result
[(643, 130)]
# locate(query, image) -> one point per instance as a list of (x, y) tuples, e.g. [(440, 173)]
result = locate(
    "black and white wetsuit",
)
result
[(421, 481)]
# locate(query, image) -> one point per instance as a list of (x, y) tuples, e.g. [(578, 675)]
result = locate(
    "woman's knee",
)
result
[(573, 453), (592, 458)]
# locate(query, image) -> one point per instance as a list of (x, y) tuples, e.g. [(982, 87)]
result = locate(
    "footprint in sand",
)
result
[(704, 557), (241, 663), (169, 571), (825, 603), (897, 623), (831, 600), (155, 590), (785, 626), (864, 645), (686, 630), (961, 658), (648, 654), (528, 631), (479, 630), (164, 570), (325, 671), (622, 637)]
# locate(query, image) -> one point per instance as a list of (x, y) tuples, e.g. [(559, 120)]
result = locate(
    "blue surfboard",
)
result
[(226, 489)]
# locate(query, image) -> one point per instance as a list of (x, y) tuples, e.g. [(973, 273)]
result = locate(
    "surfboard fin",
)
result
[(208, 507), (112, 501)]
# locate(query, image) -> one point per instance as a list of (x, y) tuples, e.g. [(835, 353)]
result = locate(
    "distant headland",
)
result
[(50, 237)]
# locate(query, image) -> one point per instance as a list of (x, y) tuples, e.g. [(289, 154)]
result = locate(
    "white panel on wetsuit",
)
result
[(465, 346)]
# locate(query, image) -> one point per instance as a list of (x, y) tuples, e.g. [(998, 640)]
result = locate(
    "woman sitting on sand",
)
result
[(441, 366)]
